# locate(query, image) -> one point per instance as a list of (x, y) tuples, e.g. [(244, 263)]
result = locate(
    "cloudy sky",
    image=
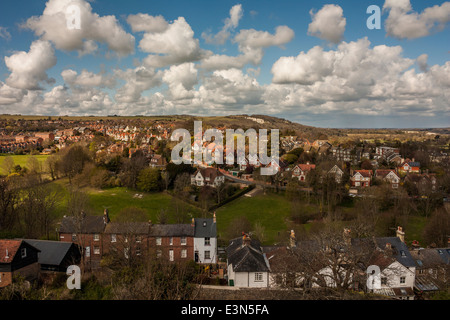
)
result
[(313, 62)]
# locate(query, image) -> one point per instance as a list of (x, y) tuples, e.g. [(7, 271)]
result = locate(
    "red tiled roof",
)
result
[(364, 173), (11, 246)]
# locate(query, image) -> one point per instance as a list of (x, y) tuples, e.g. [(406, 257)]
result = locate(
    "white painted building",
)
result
[(205, 240)]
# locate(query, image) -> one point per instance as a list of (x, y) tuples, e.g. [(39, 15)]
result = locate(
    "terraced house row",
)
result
[(98, 236)]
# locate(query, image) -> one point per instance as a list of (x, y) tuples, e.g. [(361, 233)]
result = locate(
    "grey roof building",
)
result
[(84, 224), (205, 228), (246, 255), (56, 255)]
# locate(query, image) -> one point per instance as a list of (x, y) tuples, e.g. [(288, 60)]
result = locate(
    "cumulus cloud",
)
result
[(181, 80), (175, 45), (404, 23), (52, 26), (358, 79), (144, 22), (328, 23), (251, 44), (136, 81), (29, 69), (88, 79), (230, 24)]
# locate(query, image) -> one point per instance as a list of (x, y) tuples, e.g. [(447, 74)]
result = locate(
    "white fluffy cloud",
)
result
[(404, 23), (251, 44), (136, 81), (358, 79), (181, 80), (87, 79), (52, 26), (328, 23), (230, 24), (147, 23), (174, 45), (29, 69)]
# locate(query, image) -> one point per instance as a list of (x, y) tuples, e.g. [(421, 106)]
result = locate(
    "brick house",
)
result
[(174, 242), (361, 178), (86, 232), (389, 176), (17, 257), (300, 171)]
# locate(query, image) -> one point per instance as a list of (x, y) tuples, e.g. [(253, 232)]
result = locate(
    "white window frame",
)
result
[(402, 280), (171, 241), (259, 277), (158, 241), (113, 237), (96, 250), (96, 237), (171, 255), (183, 241), (207, 255), (207, 241), (183, 253)]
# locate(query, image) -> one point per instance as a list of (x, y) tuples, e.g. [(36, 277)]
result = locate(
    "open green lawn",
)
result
[(271, 210), (22, 161), (116, 199), (414, 229)]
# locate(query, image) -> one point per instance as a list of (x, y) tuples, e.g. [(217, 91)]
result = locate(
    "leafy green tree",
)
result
[(149, 180)]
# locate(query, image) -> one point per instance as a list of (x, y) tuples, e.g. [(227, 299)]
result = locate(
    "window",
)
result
[(158, 253), (258, 277), (171, 241), (158, 241), (96, 237), (207, 241), (88, 252), (96, 250), (113, 238), (170, 255), (184, 253), (207, 254), (138, 251), (138, 239), (402, 280), (74, 237), (384, 281), (23, 252), (183, 241)]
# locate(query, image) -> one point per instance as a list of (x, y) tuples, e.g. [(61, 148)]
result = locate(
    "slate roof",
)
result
[(430, 258), (205, 228), (247, 258), (400, 250), (172, 230), (127, 227), (52, 252), (89, 224)]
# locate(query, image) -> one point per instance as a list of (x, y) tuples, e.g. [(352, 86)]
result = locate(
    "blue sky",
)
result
[(314, 62)]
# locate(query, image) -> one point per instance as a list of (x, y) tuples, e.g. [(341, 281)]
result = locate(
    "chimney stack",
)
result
[(401, 234), (193, 222), (245, 239), (106, 219), (214, 218), (292, 240), (347, 236)]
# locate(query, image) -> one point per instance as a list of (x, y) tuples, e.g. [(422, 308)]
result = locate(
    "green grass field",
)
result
[(272, 211), (22, 160), (117, 199)]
